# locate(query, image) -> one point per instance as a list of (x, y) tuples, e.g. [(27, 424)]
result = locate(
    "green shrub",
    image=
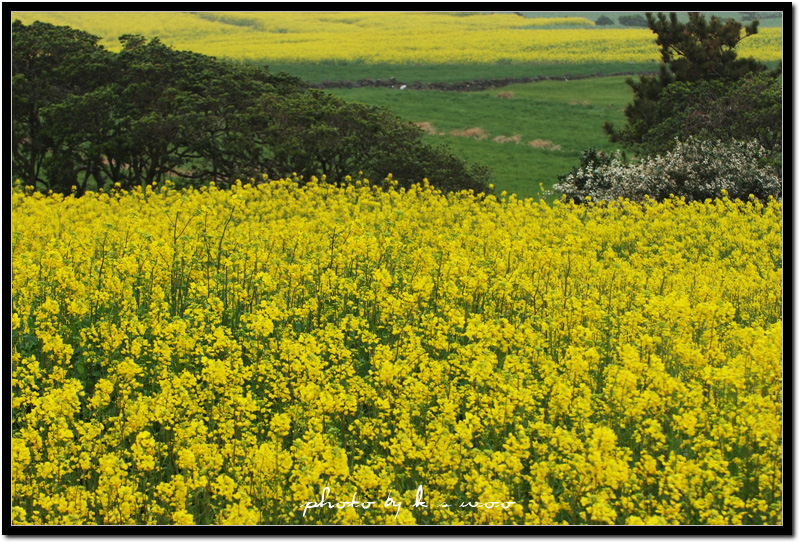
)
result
[(747, 109), (633, 20)]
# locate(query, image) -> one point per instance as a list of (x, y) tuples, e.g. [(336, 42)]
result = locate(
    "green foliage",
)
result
[(603, 21), (439, 165), (747, 109), (703, 49), (707, 98), (698, 50), (51, 66), (149, 113), (633, 20)]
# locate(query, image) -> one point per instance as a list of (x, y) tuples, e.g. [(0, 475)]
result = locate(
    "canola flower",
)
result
[(395, 38), (222, 357)]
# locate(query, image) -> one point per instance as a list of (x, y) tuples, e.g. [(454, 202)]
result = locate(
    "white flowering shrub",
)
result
[(694, 169)]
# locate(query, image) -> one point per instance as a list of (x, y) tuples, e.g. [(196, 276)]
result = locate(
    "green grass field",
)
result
[(569, 114)]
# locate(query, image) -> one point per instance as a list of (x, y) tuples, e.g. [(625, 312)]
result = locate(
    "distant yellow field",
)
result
[(396, 38)]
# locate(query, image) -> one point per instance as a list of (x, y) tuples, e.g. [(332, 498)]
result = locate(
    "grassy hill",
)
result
[(527, 133)]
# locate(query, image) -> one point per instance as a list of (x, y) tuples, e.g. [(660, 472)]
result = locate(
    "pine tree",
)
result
[(698, 50)]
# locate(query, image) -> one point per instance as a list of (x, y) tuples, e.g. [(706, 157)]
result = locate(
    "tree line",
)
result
[(85, 117)]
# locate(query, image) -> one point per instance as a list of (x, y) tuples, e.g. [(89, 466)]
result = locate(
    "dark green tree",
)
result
[(698, 50), (50, 64), (150, 112), (82, 124), (166, 108), (747, 109), (633, 20)]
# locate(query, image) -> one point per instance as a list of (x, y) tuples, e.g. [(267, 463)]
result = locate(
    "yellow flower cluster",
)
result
[(210, 356), (395, 38)]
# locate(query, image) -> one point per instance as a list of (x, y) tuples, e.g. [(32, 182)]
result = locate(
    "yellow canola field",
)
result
[(217, 357), (394, 38)]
